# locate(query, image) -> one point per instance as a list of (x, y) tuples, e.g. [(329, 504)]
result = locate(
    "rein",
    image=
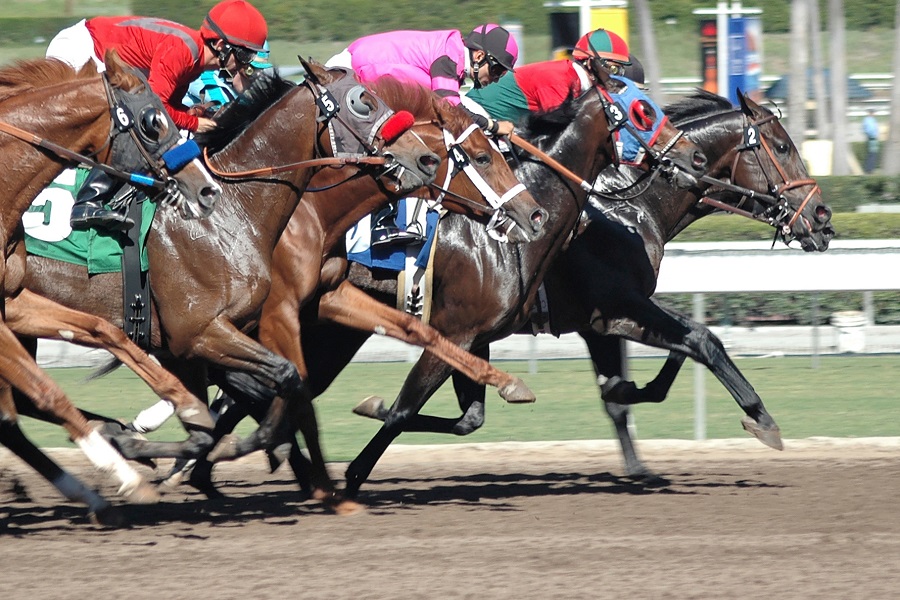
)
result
[(64, 152), (313, 162)]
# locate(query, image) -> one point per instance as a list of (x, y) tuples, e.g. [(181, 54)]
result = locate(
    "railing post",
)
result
[(699, 377)]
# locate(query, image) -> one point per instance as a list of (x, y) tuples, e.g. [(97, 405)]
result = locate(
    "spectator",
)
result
[(870, 129)]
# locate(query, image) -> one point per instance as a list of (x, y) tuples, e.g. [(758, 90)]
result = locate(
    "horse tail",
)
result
[(105, 369)]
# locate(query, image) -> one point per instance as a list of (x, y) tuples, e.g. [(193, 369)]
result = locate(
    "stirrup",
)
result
[(89, 215), (390, 236)]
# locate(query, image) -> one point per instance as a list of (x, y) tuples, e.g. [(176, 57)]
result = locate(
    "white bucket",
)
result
[(850, 330)]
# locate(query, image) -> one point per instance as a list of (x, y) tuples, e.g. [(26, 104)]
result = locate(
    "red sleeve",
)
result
[(171, 71)]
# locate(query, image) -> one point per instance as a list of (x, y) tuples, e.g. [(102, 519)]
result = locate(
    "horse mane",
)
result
[(265, 91), (36, 73), (552, 122), (700, 105), (420, 101)]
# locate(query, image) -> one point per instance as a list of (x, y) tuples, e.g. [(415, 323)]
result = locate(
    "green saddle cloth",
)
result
[(48, 234)]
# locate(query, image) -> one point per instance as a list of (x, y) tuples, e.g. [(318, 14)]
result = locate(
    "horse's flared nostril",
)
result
[(429, 163), (699, 161), (538, 218)]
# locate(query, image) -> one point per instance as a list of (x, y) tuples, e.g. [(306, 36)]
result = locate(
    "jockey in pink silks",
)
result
[(438, 60)]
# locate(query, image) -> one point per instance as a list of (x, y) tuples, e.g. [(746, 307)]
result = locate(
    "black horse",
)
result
[(602, 285)]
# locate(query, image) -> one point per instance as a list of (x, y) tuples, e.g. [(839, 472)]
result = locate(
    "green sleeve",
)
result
[(502, 100)]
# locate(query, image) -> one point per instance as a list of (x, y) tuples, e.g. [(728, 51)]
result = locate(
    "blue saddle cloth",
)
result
[(390, 257)]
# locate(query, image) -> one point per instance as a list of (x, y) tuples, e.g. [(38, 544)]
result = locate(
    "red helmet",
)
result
[(238, 23), (603, 44)]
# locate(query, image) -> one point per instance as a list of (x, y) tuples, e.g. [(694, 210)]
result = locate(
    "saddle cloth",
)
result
[(48, 234), (412, 262)]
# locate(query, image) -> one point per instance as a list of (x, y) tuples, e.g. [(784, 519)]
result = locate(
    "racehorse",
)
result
[(480, 183), (212, 277), (45, 97), (483, 290), (601, 286)]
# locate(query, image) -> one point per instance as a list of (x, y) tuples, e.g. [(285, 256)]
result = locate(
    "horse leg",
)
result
[(469, 395), (19, 370), (677, 333), (11, 436), (350, 306), (225, 346), (35, 316), (426, 376)]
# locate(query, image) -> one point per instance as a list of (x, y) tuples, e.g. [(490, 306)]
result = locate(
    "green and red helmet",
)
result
[(602, 43)]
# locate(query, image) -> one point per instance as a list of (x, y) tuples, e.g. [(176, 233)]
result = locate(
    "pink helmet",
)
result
[(237, 22), (496, 42)]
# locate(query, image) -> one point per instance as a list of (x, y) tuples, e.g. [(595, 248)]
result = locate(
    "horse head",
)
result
[(768, 159), (364, 123), (144, 137), (644, 136)]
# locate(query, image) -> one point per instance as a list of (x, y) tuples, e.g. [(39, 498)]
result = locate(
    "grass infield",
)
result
[(846, 396)]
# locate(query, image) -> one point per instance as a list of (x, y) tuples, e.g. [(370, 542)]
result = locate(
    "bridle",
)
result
[(777, 213), (328, 111), (500, 224), (172, 156)]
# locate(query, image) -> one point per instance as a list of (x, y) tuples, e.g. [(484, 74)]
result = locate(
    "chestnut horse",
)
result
[(482, 290), (601, 287), (46, 97)]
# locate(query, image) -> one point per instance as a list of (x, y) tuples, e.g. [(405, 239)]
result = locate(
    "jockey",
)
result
[(540, 87), (441, 61), (211, 91), (172, 56)]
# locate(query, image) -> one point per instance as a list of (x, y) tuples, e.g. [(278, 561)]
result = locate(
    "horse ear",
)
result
[(314, 70), (745, 108)]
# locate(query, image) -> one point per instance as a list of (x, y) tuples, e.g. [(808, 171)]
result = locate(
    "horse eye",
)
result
[(359, 102), (483, 159)]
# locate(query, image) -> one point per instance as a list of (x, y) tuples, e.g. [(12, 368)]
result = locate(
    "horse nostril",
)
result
[(823, 214), (209, 194), (699, 161), (430, 163), (537, 219)]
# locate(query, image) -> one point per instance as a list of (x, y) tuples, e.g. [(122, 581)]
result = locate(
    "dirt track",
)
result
[(735, 520)]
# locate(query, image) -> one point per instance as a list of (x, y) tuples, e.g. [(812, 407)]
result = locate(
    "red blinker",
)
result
[(396, 125)]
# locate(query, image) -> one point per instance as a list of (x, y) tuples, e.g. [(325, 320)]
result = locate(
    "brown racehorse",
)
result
[(210, 278), (48, 112), (437, 121)]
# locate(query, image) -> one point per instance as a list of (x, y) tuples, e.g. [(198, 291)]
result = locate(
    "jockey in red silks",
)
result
[(541, 87), (438, 60), (172, 56)]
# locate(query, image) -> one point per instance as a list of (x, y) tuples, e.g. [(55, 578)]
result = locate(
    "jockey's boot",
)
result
[(89, 211)]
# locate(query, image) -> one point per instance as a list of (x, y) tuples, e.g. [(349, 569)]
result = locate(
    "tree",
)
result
[(890, 163), (648, 41), (836, 27), (796, 122)]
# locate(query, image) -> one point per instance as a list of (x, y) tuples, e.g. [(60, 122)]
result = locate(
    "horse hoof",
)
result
[(108, 516), (372, 407), (144, 493), (769, 437), (348, 508), (226, 449), (516, 392)]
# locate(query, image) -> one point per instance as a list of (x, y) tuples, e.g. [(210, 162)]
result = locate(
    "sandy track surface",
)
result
[(730, 519)]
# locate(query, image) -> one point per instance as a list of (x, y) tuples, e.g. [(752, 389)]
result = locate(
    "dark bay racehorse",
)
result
[(483, 290), (49, 116), (601, 287)]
